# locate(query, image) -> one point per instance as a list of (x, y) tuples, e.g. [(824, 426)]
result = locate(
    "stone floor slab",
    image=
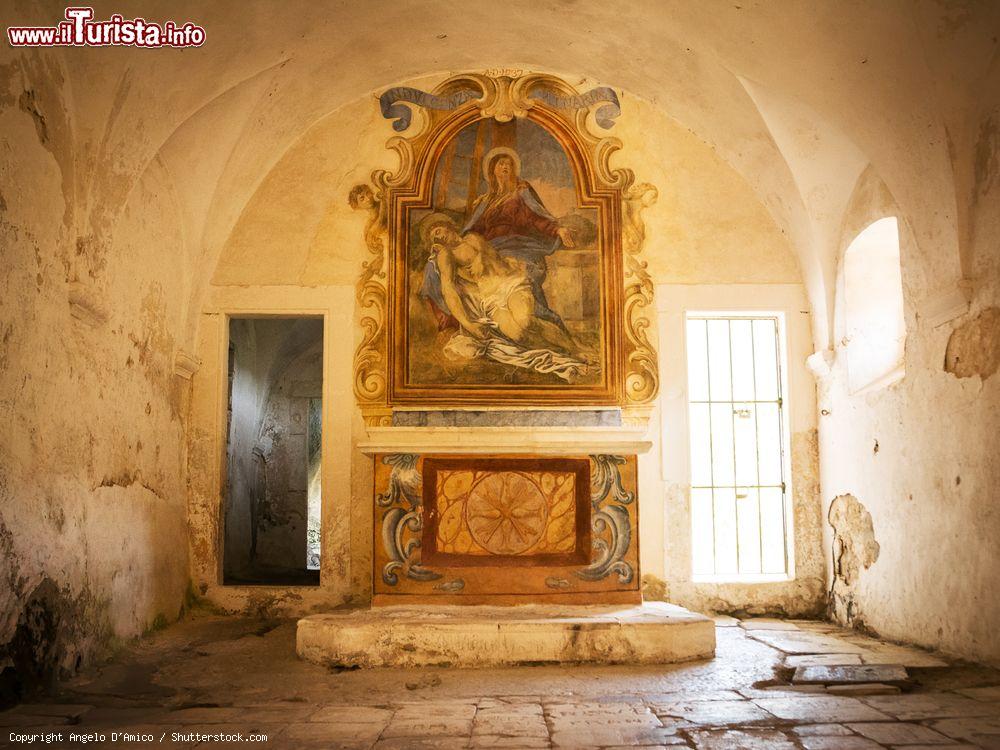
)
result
[(822, 660), (863, 688), (983, 730), (899, 733), (318, 735), (767, 623), (820, 709), (827, 675), (12, 720), (604, 724), (716, 713), (341, 731), (740, 739), (519, 741), (803, 642), (440, 726), (353, 714), (511, 721), (693, 696), (603, 736), (823, 730), (422, 743), (915, 707), (418, 711), (991, 693), (200, 716), (725, 621), (68, 710), (839, 743), (875, 652)]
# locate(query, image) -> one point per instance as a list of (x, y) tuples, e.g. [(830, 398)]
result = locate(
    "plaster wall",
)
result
[(93, 469), (920, 456)]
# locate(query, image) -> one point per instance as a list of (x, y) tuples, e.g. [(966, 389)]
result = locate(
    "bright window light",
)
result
[(875, 329), (738, 487)]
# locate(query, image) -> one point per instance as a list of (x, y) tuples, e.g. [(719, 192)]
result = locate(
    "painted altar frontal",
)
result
[(513, 529)]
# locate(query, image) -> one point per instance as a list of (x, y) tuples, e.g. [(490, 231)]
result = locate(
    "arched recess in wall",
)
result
[(874, 323)]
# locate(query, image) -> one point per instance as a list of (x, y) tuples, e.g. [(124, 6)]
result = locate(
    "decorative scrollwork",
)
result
[(502, 95), (404, 482), (372, 296), (400, 546), (609, 518), (642, 381), (607, 478)]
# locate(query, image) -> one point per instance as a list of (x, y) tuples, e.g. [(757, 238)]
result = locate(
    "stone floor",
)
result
[(210, 678)]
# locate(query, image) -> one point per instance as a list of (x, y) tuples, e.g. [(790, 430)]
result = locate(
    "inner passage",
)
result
[(273, 453)]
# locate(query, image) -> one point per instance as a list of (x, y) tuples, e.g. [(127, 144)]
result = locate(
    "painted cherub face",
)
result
[(361, 197)]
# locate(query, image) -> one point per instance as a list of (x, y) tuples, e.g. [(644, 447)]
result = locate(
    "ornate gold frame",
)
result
[(628, 360)]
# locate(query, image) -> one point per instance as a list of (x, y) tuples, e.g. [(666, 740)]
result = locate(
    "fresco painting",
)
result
[(503, 267)]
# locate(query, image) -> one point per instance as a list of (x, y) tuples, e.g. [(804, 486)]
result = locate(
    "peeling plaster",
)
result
[(974, 346), (854, 550)]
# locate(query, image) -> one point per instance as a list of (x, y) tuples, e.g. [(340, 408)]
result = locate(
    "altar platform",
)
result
[(491, 636)]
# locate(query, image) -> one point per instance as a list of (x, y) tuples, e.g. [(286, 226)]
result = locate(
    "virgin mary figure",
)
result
[(511, 217)]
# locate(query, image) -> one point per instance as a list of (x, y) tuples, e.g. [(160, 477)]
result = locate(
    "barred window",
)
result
[(739, 504)]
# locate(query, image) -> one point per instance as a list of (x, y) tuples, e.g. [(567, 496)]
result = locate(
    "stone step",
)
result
[(483, 636)]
